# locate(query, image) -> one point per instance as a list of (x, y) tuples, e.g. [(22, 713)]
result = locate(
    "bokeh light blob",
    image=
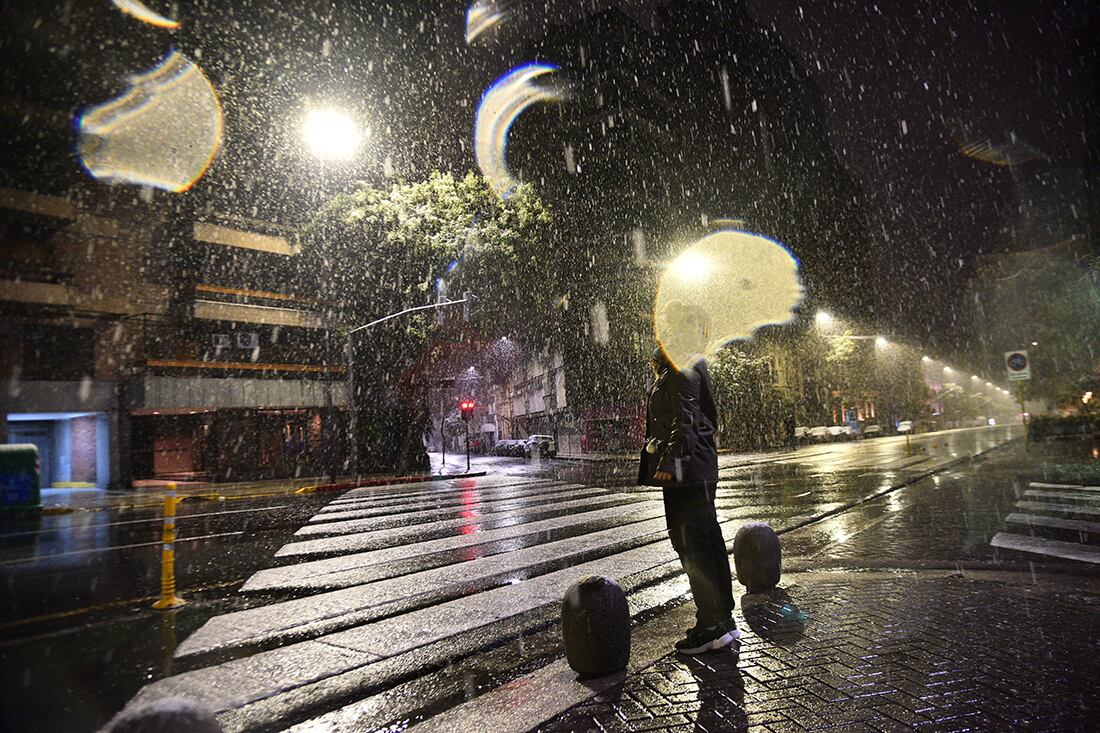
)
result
[(721, 288), (145, 14), (481, 17), (501, 104), (162, 132)]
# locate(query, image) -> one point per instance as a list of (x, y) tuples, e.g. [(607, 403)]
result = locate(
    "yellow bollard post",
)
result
[(168, 597)]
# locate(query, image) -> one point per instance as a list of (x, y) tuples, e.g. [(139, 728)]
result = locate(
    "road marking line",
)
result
[(431, 492), (489, 506), (1079, 487), (330, 611), (179, 517), (523, 704), (373, 510), (1037, 520), (337, 572), (352, 534), (1084, 496), (1043, 506), (1043, 546), (39, 558), (434, 487)]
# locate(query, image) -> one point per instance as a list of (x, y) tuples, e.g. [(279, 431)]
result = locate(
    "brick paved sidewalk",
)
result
[(876, 652)]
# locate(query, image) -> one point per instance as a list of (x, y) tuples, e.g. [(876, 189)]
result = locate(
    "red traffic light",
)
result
[(467, 408)]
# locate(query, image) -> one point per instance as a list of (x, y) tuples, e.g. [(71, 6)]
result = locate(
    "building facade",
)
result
[(139, 344)]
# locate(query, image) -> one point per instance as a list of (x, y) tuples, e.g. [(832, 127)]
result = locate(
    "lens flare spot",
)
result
[(143, 13), (162, 132), (501, 104), (481, 17), (721, 288)]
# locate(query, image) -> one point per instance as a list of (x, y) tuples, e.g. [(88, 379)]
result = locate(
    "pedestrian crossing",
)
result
[(384, 573), (385, 580), (1055, 520)]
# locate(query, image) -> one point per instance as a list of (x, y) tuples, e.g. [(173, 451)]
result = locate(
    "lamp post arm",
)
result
[(349, 351), (430, 306)]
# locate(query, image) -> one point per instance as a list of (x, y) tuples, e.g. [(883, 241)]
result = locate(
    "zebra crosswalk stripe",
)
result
[(1044, 546)]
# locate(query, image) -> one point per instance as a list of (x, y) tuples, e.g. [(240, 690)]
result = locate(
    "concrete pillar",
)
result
[(595, 626), (119, 442), (103, 465), (757, 557)]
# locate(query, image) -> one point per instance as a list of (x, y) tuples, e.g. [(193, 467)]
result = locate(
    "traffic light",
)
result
[(467, 408)]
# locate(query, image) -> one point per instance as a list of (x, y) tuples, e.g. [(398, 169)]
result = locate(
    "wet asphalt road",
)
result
[(78, 586)]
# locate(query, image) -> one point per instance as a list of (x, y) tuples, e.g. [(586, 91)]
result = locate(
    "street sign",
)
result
[(1017, 365)]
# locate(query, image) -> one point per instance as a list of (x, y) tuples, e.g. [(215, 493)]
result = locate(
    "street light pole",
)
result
[(353, 417)]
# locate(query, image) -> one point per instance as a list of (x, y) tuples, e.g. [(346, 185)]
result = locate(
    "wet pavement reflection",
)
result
[(96, 571)]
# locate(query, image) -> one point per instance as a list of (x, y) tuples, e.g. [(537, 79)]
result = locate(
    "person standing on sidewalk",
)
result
[(681, 457)]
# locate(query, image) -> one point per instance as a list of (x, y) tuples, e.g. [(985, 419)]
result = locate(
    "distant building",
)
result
[(534, 401), (141, 345)]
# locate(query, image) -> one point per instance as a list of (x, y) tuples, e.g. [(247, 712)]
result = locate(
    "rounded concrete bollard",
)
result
[(166, 715), (757, 556), (595, 624)]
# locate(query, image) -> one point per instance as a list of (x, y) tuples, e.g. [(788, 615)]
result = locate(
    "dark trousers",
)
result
[(697, 538)]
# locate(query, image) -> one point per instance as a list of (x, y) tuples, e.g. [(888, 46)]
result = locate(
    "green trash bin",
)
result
[(20, 479)]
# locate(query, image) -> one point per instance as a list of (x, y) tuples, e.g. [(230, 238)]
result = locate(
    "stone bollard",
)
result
[(166, 715), (595, 624), (757, 556)]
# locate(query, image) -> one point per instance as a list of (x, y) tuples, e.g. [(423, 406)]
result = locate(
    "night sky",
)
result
[(906, 84), (904, 87)]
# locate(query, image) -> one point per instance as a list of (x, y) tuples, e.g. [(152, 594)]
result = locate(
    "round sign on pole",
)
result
[(1017, 365)]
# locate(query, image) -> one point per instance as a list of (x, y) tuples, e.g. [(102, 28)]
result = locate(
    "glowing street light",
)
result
[(823, 318), (926, 360), (331, 134), (690, 266), (881, 342)]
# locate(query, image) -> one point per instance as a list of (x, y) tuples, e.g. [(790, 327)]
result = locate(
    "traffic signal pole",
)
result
[(466, 408)]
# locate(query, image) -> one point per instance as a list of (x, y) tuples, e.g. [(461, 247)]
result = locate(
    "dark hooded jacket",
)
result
[(681, 421)]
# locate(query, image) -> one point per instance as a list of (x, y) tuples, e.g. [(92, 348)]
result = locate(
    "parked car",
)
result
[(513, 448), (802, 434), (543, 445), (818, 433), (839, 432), (872, 431), (905, 426)]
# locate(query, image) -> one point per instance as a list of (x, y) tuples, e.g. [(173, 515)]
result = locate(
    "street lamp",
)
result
[(881, 342), (690, 266), (331, 134), (823, 319)]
